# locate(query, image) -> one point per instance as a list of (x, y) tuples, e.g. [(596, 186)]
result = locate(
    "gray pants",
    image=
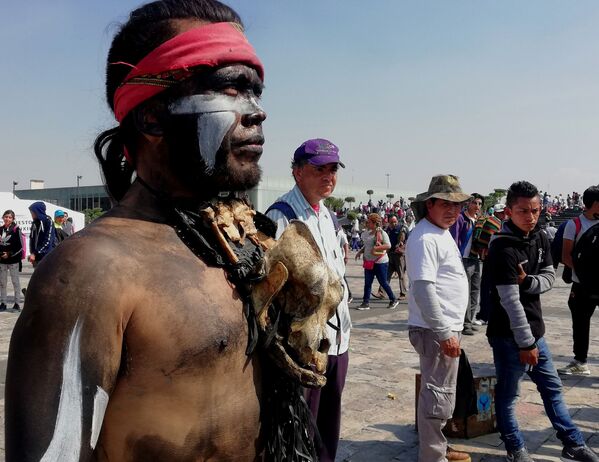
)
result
[(13, 269), (436, 400), (473, 272)]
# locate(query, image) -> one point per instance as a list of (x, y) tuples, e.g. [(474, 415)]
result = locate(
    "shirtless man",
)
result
[(143, 357)]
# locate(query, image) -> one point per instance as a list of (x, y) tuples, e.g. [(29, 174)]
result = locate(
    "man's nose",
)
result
[(254, 118)]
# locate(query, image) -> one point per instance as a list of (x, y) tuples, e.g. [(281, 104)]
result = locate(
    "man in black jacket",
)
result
[(522, 269), (42, 238)]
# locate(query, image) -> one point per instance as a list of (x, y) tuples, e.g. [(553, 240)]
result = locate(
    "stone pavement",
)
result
[(378, 402), (378, 415)]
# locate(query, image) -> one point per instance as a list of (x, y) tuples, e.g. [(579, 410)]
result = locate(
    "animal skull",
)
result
[(305, 293)]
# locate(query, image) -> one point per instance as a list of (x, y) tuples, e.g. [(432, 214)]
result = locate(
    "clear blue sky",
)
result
[(493, 91)]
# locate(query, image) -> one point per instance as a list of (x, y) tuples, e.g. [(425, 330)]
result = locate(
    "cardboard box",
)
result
[(482, 423)]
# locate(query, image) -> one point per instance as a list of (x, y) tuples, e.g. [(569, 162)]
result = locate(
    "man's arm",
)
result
[(568, 241), (64, 357), (45, 237), (456, 229), (539, 283), (567, 249), (425, 294), (510, 300), (280, 219)]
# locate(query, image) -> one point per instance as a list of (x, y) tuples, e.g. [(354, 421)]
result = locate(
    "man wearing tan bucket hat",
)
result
[(437, 302)]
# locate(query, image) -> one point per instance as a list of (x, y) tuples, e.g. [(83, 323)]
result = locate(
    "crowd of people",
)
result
[(469, 268), (150, 354), (45, 235)]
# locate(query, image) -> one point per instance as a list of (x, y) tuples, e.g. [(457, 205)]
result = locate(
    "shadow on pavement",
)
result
[(395, 326)]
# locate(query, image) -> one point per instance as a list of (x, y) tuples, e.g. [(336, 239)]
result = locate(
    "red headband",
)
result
[(211, 45)]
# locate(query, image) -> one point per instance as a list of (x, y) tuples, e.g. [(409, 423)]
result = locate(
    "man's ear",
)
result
[(147, 123), (508, 212), (428, 204)]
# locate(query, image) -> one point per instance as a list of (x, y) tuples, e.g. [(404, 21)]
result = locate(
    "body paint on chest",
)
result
[(216, 115)]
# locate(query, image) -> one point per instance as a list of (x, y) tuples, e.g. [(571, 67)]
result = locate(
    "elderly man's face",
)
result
[(316, 182)]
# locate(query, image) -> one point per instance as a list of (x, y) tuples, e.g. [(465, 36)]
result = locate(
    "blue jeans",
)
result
[(510, 372), (380, 272)]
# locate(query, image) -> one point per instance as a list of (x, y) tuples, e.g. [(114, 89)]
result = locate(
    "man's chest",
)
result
[(186, 317)]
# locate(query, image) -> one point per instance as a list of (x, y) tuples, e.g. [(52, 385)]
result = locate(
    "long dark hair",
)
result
[(147, 28), (13, 225)]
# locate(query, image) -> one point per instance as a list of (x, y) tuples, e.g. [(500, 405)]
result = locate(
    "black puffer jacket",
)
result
[(11, 243)]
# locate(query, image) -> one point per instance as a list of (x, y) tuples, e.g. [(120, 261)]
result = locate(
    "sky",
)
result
[(494, 91)]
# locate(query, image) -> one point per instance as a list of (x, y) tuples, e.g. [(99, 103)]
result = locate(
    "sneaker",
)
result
[(575, 368), (580, 453), (452, 454), (349, 300), (478, 322), (379, 295), (16, 307), (364, 307), (521, 455), (393, 304), (2, 306), (468, 332), (402, 296)]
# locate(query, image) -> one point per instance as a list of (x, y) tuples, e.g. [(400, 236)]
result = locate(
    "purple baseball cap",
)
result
[(318, 152)]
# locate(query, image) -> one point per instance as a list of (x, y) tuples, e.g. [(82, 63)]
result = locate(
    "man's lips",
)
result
[(250, 146)]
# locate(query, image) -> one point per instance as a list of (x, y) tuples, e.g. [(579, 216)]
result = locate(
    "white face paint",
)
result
[(66, 441), (216, 114), (100, 404)]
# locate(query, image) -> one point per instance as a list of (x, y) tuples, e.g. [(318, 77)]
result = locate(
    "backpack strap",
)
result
[(578, 225), (284, 208)]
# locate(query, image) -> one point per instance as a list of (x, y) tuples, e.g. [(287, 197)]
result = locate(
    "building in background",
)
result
[(270, 188), (72, 197)]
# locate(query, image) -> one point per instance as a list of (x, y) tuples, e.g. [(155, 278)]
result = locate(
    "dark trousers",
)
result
[(582, 306), (485, 294), (325, 404), (472, 267), (397, 264)]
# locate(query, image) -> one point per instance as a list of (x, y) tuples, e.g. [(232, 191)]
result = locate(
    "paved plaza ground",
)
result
[(378, 415)]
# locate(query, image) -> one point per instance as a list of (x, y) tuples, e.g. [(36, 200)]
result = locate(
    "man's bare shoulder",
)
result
[(96, 265)]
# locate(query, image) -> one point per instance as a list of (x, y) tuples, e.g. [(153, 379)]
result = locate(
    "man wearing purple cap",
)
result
[(314, 168)]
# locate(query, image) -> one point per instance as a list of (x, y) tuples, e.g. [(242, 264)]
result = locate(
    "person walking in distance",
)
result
[(375, 260)]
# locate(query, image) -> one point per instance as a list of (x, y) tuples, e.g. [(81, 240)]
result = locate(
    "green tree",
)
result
[(390, 196), (370, 192), (351, 215), (334, 203), (350, 200), (92, 214), (493, 198)]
